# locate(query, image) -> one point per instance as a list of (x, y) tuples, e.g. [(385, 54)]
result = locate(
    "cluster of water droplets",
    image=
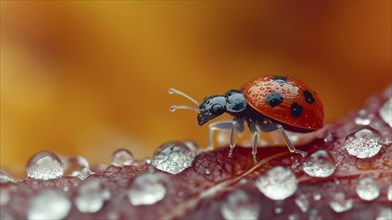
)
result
[(173, 157), (364, 142), (320, 164), (278, 183)]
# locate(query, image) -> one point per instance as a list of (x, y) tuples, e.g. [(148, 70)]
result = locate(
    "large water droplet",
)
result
[(385, 214), (49, 204), (386, 112), (367, 189), (92, 195), (389, 193), (339, 203), (44, 165), (4, 196), (277, 183), (5, 178), (320, 164), (364, 142), (173, 157), (122, 157), (77, 166), (238, 205), (302, 202), (147, 189)]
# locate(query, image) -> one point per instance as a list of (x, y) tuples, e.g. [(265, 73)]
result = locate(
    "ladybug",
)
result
[(267, 102)]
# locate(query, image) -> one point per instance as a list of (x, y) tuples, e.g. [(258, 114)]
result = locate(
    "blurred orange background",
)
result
[(85, 78)]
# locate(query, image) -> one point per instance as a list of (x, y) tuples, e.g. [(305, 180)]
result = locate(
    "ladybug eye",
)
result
[(217, 109)]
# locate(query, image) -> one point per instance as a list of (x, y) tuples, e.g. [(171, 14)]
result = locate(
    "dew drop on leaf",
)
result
[(147, 189), (367, 189), (320, 164), (386, 112), (173, 157), (44, 165), (364, 142), (339, 203), (277, 183), (122, 157), (92, 195), (239, 205), (49, 204)]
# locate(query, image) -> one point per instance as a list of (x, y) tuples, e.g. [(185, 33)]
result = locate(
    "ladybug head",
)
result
[(232, 102)]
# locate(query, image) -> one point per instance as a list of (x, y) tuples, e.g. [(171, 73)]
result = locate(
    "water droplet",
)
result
[(314, 215), (49, 204), (367, 189), (5, 178), (173, 157), (77, 166), (4, 196), (328, 137), (389, 193), (293, 216), (364, 142), (363, 118), (238, 205), (317, 196), (302, 202), (208, 172), (147, 189), (339, 203), (122, 157), (320, 164), (385, 214), (278, 210), (44, 165), (92, 195), (277, 183), (386, 112)]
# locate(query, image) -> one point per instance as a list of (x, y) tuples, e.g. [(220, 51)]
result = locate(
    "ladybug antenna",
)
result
[(175, 107), (175, 91)]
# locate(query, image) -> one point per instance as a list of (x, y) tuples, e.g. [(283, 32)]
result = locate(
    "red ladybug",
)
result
[(268, 102)]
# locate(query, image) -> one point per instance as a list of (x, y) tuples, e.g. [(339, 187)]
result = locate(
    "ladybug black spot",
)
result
[(308, 97), (274, 99), (280, 79), (296, 110)]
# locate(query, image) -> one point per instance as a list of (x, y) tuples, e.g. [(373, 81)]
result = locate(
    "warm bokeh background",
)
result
[(85, 78)]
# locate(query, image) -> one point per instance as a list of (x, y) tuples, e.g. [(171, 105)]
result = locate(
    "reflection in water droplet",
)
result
[(5, 178), (389, 193), (363, 143), (386, 112), (302, 202), (385, 214), (49, 204), (122, 157), (238, 205), (277, 183), (44, 165), (320, 164), (173, 157), (367, 189), (339, 203), (146, 189), (4, 196), (92, 195), (77, 166)]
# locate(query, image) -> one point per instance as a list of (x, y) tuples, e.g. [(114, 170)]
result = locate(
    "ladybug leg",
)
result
[(255, 135), (223, 125), (289, 143)]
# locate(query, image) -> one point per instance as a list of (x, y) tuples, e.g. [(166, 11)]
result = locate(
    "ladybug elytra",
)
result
[(267, 102)]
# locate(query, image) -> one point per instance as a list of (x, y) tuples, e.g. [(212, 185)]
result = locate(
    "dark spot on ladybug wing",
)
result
[(308, 97), (296, 110), (274, 99), (280, 79)]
